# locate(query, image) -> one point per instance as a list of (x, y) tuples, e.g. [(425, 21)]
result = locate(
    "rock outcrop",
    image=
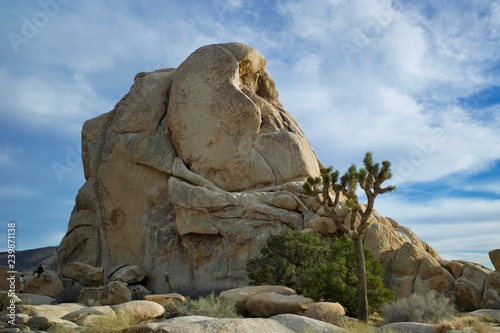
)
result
[(190, 173), (115, 292), (495, 258), (233, 110), (85, 275), (130, 274), (288, 323), (47, 284), (268, 304), (69, 317), (196, 166)]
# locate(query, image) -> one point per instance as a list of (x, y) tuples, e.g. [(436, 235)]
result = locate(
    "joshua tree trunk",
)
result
[(362, 288)]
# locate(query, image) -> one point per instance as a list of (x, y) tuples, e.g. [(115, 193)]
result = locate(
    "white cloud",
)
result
[(62, 104), (482, 186), (399, 88), (11, 191)]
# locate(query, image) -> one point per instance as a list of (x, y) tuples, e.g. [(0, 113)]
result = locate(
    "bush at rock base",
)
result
[(430, 308), (209, 306), (289, 259), (318, 269)]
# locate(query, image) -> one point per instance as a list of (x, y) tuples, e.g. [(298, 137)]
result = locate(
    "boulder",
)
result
[(71, 291), (322, 224), (115, 292), (470, 286), (241, 295), (409, 328), (285, 323), (303, 324), (285, 201), (88, 316), (495, 258), (63, 328), (85, 275), (138, 311), (268, 304), (47, 284), (44, 310), (129, 274), (212, 325), (164, 299), (489, 314), (42, 323), (432, 276), (35, 299), (491, 298), (329, 312), (455, 267), (138, 291)]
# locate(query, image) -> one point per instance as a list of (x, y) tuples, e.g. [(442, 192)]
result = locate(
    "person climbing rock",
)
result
[(39, 270)]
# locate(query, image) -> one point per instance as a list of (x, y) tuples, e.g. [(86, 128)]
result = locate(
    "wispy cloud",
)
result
[(9, 192)]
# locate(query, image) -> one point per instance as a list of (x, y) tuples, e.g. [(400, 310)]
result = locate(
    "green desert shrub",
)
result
[(324, 271), (429, 308), (290, 259), (209, 306), (344, 288)]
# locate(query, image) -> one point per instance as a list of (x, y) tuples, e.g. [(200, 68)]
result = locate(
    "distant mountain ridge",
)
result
[(28, 260)]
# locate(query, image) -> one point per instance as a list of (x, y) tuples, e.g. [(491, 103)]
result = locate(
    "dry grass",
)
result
[(430, 308), (479, 325), (444, 325), (209, 306)]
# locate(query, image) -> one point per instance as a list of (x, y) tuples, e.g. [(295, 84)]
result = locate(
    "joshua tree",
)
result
[(370, 179)]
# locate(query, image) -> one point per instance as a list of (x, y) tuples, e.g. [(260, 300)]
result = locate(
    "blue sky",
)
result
[(415, 82)]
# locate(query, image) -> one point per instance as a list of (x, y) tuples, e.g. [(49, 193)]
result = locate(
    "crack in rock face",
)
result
[(224, 106)]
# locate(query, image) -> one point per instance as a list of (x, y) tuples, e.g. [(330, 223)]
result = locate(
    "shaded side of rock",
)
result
[(115, 292), (268, 304), (85, 275)]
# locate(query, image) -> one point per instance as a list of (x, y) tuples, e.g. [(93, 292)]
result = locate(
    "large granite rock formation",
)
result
[(195, 167), (190, 173)]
